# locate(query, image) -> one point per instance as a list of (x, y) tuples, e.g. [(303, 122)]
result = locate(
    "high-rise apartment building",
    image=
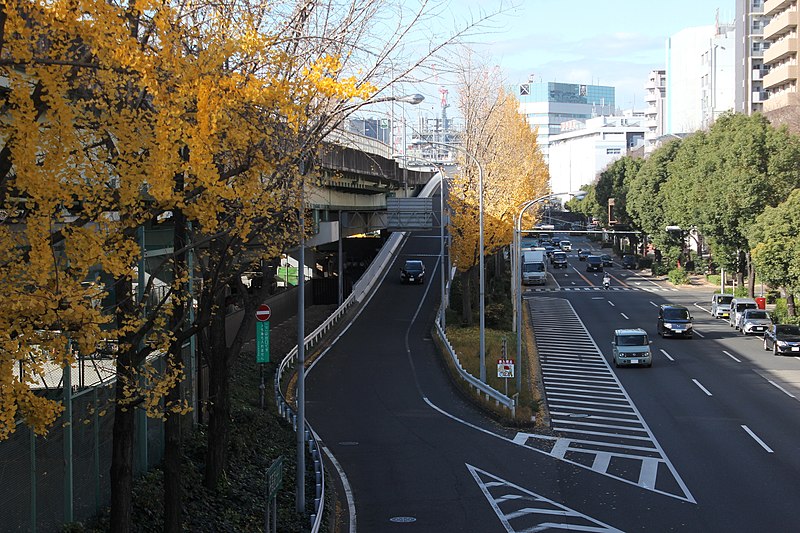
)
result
[(547, 105), (654, 115), (749, 56), (780, 58)]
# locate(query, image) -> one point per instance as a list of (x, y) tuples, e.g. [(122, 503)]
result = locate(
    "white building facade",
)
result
[(578, 156), (749, 23), (654, 114)]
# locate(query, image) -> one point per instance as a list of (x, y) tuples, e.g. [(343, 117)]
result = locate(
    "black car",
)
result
[(674, 320), (594, 263), (607, 261), (413, 271), (582, 254), (783, 339), (629, 261), (559, 260)]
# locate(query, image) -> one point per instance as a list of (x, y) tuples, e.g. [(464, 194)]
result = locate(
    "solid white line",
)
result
[(703, 308), (755, 437), (625, 316), (731, 356), (702, 388), (782, 389), (348, 492), (668, 356), (699, 334), (611, 303), (653, 304)]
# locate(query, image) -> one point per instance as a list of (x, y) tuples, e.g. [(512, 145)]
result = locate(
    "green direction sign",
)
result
[(262, 342)]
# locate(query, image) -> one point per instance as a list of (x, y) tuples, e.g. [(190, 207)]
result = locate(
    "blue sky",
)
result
[(605, 42)]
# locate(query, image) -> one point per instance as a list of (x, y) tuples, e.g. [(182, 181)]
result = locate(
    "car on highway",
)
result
[(631, 347), (594, 263), (412, 271), (582, 254), (565, 246), (754, 321), (721, 305), (607, 260), (783, 339), (674, 320), (629, 261), (549, 249), (559, 260)]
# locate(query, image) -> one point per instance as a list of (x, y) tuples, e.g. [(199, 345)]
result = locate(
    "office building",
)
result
[(654, 114), (546, 105), (585, 148), (749, 47), (374, 128)]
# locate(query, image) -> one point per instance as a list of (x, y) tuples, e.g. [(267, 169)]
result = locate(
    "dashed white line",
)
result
[(786, 392), (731, 356), (625, 316), (699, 334), (668, 356), (703, 308), (755, 437), (653, 304), (611, 303), (702, 388)]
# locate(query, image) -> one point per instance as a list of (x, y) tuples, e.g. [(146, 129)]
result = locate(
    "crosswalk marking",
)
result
[(597, 424)]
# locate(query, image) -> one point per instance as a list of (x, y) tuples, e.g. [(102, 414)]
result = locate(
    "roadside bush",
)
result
[(645, 262), (498, 316), (714, 279), (772, 296), (678, 276)]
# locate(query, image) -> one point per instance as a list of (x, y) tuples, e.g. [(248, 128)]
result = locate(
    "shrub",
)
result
[(645, 262), (678, 276), (714, 279)]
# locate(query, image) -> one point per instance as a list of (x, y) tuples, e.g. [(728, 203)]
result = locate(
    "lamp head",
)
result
[(412, 99)]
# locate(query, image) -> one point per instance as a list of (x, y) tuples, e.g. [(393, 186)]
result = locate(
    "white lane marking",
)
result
[(702, 388), (348, 492), (755, 437), (703, 308), (653, 304), (597, 298), (731, 356), (699, 334), (668, 356), (625, 316), (786, 392), (611, 303)]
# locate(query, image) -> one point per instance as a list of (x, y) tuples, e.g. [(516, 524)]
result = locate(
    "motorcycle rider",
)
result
[(606, 280)]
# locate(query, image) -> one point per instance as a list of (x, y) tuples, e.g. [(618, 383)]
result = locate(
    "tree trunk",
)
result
[(466, 297), (751, 276), (790, 308), (740, 270), (218, 403), (121, 457)]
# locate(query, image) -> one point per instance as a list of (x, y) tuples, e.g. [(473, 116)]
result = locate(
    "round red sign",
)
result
[(263, 313)]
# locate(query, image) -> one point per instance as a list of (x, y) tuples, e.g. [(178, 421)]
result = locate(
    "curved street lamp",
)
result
[(516, 285)]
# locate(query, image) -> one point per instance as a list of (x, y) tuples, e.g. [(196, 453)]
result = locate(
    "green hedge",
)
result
[(678, 276)]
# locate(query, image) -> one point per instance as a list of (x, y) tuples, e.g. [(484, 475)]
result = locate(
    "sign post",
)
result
[(262, 343), (505, 369)]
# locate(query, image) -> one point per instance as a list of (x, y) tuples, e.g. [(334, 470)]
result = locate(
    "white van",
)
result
[(738, 305), (721, 305)]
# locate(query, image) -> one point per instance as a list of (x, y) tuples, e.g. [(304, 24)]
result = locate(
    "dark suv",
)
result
[(674, 320), (413, 271), (559, 260), (629, 261), (594, 263)]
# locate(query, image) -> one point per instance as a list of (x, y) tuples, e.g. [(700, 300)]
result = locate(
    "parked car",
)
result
[(559, 260), (721, 305), (582, 255), (754, 321), (594, 264), (412, 271), (674, 320), (738, 306), (607, 260), (782, 339), (630, 261), (631, 347)]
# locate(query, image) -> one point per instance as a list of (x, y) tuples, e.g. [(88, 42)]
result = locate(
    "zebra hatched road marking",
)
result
[(590, 288), (598, 425), (521, 510)]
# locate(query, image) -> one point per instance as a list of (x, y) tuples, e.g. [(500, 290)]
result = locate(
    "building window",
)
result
[(613, 151), (524, 89)]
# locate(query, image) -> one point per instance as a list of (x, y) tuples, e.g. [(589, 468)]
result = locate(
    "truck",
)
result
[(534, 268)]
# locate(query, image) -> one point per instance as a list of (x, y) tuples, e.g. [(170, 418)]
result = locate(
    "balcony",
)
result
[(781, 100), (781, 49), (771, 6), (759, 96), (780, 75), (780, 25)]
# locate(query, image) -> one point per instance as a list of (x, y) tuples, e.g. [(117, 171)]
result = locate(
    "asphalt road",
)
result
[(659, 449)]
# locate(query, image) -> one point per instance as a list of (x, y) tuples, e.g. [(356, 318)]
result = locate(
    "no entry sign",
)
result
[(263, 313)]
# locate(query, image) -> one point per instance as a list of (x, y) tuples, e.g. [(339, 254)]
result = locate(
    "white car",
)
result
[(721, 305), (754, 321)]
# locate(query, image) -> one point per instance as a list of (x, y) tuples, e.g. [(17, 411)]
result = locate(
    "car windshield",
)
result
[(560, 255), (742, 307), (413, 265), (757, 314), (631, 340), (676, 314), (533, 267), (593, 259), (724, 299), (788, 329)]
